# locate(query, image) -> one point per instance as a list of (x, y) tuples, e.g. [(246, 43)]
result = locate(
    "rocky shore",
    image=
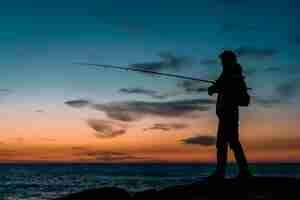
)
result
[(259, 188)]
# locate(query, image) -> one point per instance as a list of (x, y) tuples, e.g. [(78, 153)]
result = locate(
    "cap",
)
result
[(228, 55)]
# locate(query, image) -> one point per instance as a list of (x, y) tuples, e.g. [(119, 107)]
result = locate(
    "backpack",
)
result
[(243, 97)]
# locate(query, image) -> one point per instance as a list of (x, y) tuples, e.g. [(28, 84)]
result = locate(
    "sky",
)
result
[(55, 111)]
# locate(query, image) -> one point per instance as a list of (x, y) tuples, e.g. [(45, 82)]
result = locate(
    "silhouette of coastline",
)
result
[(263, 188)]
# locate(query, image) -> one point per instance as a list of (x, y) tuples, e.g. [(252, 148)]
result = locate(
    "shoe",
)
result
[(245, 176)]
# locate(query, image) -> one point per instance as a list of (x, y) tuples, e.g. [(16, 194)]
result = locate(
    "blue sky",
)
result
[(44, 38)]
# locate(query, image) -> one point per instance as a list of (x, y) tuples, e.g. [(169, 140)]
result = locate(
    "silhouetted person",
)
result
[(229, 87)]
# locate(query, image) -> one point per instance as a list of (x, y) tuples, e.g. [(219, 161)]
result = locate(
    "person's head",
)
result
[(228, 59)]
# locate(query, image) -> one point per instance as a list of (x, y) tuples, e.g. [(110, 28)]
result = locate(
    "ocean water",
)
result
[(47, 181)]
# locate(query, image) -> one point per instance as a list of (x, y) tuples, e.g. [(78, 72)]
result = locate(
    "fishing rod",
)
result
[(146, 71)]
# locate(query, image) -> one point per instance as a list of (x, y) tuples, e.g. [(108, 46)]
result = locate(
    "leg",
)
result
[(234, 142), (240, 158), (222, 149), (219, 174), (221, 159)]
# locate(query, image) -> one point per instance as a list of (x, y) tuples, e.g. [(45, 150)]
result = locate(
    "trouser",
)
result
[(228, 135), (239, 156)]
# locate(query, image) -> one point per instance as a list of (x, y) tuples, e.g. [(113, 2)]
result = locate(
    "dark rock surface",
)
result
[(109, 193), (259, 188)]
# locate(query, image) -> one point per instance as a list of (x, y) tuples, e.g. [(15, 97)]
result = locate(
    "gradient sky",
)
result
[(53, 110)]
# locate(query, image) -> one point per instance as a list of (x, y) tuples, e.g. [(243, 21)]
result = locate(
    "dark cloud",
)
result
[(272, 69), (289, 88), (79, 103), (104, 156), (142, 91), (85, 151), (167, 127), (134, 110), (191, 86), (266, 102), (8, 152), (286, 69), (231, 27), (258, 53), (119, 111), (118, 157), (168, 61), (200, 140), (106, 129), (5, 92), (39, 111)]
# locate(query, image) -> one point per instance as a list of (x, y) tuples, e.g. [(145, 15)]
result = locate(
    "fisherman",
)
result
[(230, 87)]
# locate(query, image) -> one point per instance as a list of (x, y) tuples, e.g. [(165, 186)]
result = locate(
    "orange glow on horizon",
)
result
[(68, 139)]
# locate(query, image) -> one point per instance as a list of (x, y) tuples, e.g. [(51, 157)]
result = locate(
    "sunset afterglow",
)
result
[(55, 111)]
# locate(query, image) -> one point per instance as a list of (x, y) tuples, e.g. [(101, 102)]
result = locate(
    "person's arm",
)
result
[(212, 89), (215, 88)]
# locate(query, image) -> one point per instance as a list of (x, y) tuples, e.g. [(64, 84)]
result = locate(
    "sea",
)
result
[(48, 181)]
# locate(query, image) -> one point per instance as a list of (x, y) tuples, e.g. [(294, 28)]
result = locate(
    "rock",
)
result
[(146, 195), (109, 193), (258, 188)]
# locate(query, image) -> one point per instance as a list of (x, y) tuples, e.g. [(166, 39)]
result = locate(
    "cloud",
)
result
[(104, 156), (134, 110), (106, 129), (272, 69), (112, 157), (118, 111), (191, 86), (284, 91), (146, 92), (200, 140), (168, 61), (8, 153), (289, 88), (79, 103), (167, 127), (266, 102), (5, 92), (128, 111), (255, 52), (286, 69)]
